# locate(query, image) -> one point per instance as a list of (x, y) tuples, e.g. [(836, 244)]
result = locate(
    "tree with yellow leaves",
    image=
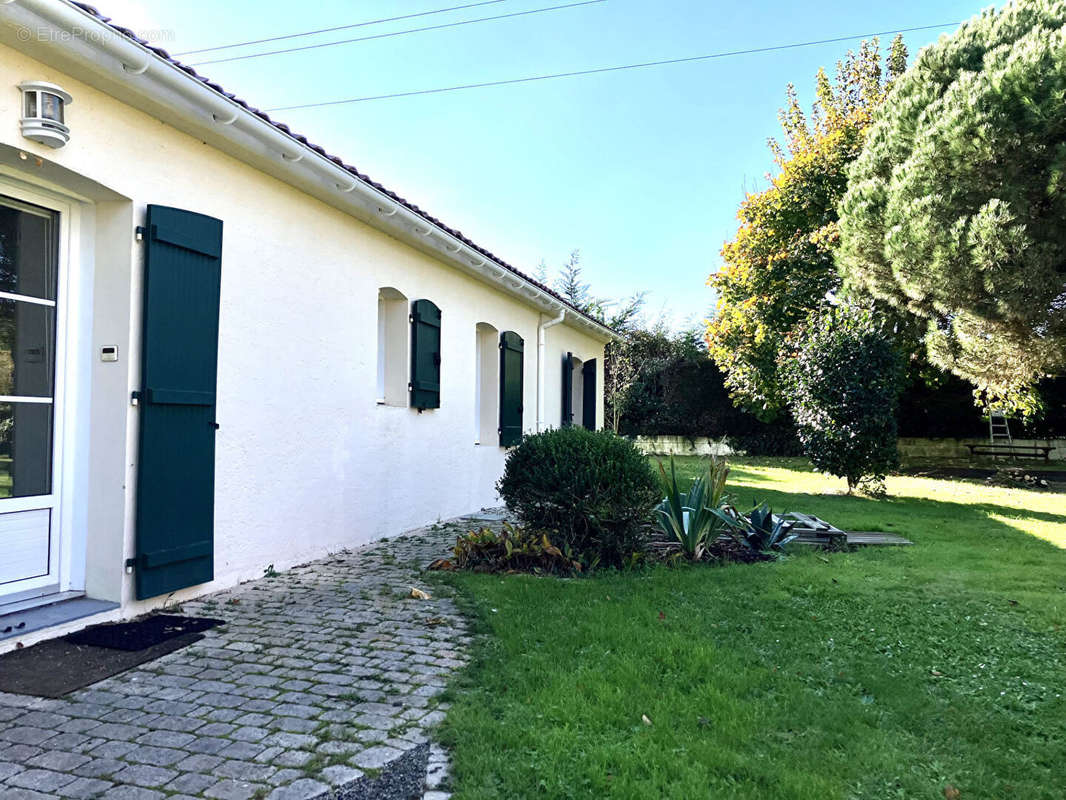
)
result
[(780, 266)]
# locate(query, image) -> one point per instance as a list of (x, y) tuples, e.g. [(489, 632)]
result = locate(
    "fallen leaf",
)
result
[(937, 673), (644, 719), (418, 594), (442, 564), (662, 616), (951, 793)]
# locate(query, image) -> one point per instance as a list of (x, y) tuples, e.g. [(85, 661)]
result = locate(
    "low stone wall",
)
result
[(956, 448), (908, 448), (682, 446)]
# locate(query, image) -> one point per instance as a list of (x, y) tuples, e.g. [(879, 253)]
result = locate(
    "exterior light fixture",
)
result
[(42, 113)]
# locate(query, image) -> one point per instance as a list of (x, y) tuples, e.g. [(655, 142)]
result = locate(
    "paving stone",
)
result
[(26, 734), (85, 788), (339, 774), (58, 760), (113, 749), (198, 762), (243, 770), (293, 758), (229, 789), (144, 775), (131, 793), (14, 793), (241, 750), (40, 780), (303, 789), (157, 756), (166, 738), (191, 783), (376, 757)]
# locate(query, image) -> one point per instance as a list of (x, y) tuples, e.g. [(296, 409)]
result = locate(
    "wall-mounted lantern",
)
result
[(42, 113)]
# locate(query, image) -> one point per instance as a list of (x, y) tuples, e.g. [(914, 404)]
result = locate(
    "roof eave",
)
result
[(109, 59)]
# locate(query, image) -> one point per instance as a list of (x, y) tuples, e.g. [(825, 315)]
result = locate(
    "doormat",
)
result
[(57, 667), (141, 633)]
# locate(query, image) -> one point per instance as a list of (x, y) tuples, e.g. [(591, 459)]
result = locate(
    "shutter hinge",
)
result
[(135, 398), (130, 564), (139, 233)]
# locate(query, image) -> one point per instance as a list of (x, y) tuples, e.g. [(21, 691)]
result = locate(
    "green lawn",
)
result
[(882, 673)]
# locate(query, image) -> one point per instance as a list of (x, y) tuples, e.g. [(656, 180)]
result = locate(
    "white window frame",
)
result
[(66, 557), (486, 383), (394, 348)]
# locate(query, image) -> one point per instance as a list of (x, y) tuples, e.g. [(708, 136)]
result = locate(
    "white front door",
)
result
[(29, 315)]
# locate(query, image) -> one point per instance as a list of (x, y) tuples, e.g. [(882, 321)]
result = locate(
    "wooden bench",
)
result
[(1014, 450)]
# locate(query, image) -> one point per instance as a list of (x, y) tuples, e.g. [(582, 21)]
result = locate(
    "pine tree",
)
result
[(955, 209)]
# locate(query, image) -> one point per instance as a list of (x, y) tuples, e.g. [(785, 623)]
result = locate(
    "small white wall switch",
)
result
[(109, 352)]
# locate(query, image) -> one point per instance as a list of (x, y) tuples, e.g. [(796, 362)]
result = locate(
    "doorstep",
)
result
[(18, 619)]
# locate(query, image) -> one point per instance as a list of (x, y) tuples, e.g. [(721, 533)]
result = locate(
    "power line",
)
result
[(398, 33), (337, 28), (640, 65)]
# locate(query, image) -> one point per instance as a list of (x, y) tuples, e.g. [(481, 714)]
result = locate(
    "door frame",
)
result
[(67, 556)]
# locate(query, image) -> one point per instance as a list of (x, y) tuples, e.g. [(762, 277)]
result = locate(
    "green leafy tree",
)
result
[(845, 383), (636, 359), (955, 208), (622, 361), (781, 264)]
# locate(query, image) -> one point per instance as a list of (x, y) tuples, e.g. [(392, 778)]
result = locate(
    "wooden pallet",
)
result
[(814, 531), (851, 538)]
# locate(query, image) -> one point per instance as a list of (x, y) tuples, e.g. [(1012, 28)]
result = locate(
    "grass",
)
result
[(880, 673)]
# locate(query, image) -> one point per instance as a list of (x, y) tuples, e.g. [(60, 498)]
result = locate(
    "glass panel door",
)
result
[(29, 256)]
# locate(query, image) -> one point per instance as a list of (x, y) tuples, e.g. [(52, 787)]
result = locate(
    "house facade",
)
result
[(222, 348)]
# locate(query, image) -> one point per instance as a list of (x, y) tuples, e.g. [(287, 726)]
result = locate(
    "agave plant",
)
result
[(759, 530), (690, 517)]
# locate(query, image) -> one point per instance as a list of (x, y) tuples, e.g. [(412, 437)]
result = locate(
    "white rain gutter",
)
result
[(105, 57), (542, 348)]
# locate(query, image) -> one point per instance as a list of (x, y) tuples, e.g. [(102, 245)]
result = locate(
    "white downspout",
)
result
[(542, 345)]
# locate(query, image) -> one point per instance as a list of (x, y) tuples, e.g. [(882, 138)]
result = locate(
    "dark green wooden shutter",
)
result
[(588, 395), (179, 364), (568, 389), (425, 355), (511, 385)]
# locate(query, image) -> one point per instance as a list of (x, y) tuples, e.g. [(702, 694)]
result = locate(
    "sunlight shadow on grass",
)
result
[(1052, 532)]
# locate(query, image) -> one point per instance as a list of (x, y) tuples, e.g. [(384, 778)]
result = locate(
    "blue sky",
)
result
[(641, 170)]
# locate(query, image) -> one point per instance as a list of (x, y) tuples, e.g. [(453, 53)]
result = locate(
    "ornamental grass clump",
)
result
[(689, 517), (593, 490)]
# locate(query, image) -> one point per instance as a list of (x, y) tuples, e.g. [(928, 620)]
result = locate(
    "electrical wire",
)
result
[(397, 33), (336, 28), (600, 70)]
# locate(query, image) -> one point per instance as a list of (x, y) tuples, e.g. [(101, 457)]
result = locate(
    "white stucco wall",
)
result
[(307, 461)]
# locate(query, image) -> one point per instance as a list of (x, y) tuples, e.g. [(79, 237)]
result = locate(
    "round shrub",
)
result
[(595, 489), (845, 381)]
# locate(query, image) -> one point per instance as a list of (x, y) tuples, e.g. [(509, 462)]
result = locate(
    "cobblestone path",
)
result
[(323, 683)]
